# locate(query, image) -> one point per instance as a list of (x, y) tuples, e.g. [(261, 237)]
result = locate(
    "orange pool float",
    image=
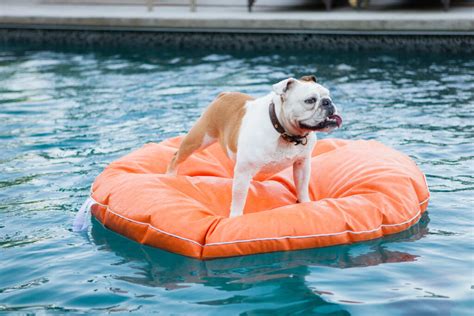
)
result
[(361, 190)]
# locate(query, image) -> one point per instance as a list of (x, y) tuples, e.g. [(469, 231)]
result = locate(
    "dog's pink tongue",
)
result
[(337, 118)]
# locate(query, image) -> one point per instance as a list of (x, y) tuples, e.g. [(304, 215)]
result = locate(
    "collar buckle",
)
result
[(297, 140)]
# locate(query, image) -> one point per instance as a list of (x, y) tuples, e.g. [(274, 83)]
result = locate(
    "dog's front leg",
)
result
[(240, 187), (301, 176)]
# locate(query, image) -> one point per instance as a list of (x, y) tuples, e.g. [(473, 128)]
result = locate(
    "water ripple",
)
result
[(65, 114)]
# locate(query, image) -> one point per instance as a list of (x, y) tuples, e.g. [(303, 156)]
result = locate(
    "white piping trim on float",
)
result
[(153, 227), (82, 222)]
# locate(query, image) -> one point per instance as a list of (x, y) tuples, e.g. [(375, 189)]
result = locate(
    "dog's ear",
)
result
[(309, 78), (283, 86)]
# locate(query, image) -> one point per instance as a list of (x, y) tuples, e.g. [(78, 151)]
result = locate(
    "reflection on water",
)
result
[(65, 114), (283, 273), (171, 271)]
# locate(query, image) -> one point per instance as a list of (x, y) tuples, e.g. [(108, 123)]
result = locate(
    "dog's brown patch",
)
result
[(224, 117), (221, 121)]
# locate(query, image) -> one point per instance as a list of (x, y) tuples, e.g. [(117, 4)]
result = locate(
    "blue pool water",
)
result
[(65, 114)]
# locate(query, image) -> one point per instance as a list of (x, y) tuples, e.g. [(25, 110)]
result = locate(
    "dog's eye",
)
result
[(310, 101)]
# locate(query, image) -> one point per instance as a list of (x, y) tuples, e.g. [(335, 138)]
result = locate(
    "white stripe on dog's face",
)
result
[(307, 106)]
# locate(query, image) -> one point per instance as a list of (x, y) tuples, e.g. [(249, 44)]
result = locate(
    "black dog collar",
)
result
[(296, 139)]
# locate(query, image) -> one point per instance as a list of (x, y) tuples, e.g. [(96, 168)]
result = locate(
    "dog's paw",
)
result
[(234, 214), (171, 172), (303, 201)]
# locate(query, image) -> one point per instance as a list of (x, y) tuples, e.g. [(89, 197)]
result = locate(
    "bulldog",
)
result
[(266, 134)]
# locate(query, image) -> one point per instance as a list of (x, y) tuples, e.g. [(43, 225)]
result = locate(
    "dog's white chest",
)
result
[(276, 166), (281, 156), (262, 149)]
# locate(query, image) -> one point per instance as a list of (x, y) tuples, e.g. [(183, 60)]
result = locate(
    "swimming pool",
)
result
[(66, 113)]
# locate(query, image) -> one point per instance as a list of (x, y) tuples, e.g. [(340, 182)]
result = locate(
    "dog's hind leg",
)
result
[(196, 139)]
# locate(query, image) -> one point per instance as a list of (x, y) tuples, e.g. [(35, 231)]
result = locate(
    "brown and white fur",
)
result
[(242, 125)]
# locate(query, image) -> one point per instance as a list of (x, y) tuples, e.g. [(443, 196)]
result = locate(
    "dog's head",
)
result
[(307, 105)]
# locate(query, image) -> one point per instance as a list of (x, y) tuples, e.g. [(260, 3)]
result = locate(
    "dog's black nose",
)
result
[(327, 104), (331, 110)]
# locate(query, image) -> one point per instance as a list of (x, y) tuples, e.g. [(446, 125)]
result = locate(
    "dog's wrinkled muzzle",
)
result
[(330, 122)]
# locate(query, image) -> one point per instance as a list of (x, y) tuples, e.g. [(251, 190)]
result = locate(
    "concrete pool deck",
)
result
[(33, 15)]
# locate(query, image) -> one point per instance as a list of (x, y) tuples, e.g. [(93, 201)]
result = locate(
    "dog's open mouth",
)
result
[(331, 121)]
